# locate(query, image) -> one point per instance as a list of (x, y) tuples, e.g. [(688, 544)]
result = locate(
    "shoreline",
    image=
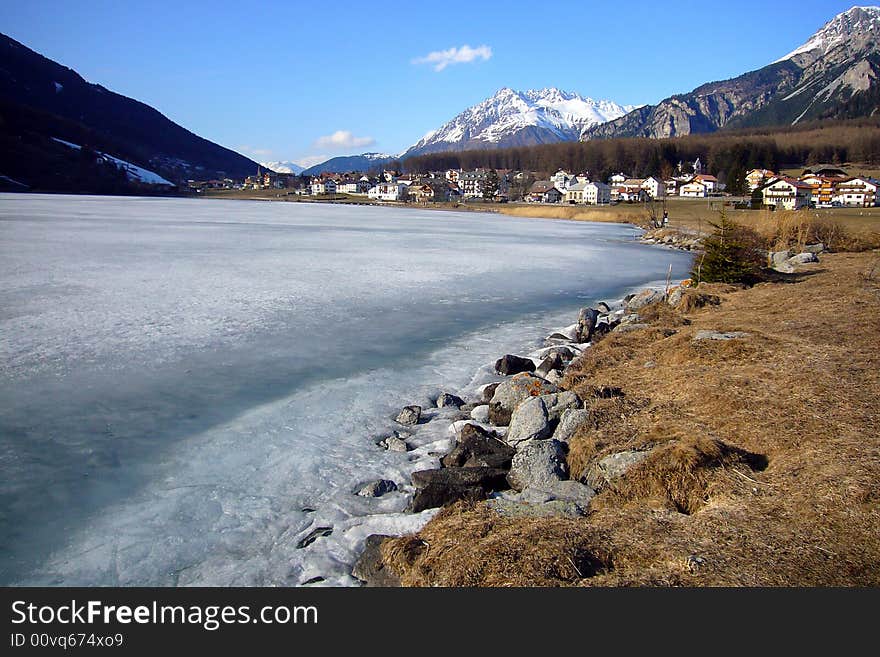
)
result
[(469, 469), (709, 434)]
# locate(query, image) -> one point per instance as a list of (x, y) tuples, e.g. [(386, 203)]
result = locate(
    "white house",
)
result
[(655, 188), (856, 192), (693, 189), (387, 191), (787, 193), (561, 180), (347, 187), (756, 177), (597, 193), (711, 182), (617, 179), (574, 193)]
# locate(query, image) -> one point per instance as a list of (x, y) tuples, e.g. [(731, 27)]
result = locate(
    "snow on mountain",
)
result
[(132, 171), (283, 167), (840, 30), (511, 118)]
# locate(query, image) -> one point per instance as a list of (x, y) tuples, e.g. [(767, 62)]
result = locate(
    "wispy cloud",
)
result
[(440, 59), (342, 139)]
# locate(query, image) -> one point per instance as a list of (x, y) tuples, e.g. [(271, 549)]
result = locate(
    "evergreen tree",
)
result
[(731, 254), (490, 185)]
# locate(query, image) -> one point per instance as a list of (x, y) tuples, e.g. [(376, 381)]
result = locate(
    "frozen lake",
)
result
[(188, 387)]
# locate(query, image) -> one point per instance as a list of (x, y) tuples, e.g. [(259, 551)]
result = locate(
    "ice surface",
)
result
[(188, 388)]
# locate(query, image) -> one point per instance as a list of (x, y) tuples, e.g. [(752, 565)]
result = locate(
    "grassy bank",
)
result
[(695, 215), (764, 466)]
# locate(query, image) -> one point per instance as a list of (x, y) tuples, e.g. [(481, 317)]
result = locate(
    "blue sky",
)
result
[(306, 81)]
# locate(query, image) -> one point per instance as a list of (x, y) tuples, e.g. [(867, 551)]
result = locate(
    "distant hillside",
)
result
[(833, 75), (46, 99), (365, 162)]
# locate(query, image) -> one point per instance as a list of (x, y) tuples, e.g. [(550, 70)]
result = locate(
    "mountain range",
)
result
[(365, 162), (833, 75), (41, 99), (519, 118)]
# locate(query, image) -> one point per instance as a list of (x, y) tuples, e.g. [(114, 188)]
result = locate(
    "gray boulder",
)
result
[(511, 393), (612, 467), (395, 443), (551, 363), (538, 464), (448, 399), (370, 568), (509, 364), (569, 422), (586, 324), (629, 328), (675, 296), (548, 509), (719, 335), (377, 488), (410, 415), (803, 259), (818, 247), (563, 491), (644, 298), (559, 402), (530, 421), (481, 413), (778, 257), (536, 417)]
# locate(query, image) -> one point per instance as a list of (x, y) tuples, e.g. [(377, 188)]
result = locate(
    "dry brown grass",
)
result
[(802, 391), (844, 229)]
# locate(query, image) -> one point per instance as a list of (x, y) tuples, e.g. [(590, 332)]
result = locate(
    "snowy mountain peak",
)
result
[(848, 27), (514, 118), (282, 167)]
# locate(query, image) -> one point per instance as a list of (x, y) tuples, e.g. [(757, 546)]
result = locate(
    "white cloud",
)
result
[(342, 139), (440, 59)]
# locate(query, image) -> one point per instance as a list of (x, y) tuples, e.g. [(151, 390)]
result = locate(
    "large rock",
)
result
[(719, 335), (488, 391), (396, 442), (443, 486), (410, 415), (803, 259), (549, 509), (551, 363), (378, 488), (535, 418), (567, 334), (569, 423), (511, 393), (559, 402), (586, 324), (612, 467), (448, 399), (778, 257), (538, 465), (370, 568), (563, 491), (818, 247), (530, 421), (644, 298), (481, 413), (478, 448), (509, 365)]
